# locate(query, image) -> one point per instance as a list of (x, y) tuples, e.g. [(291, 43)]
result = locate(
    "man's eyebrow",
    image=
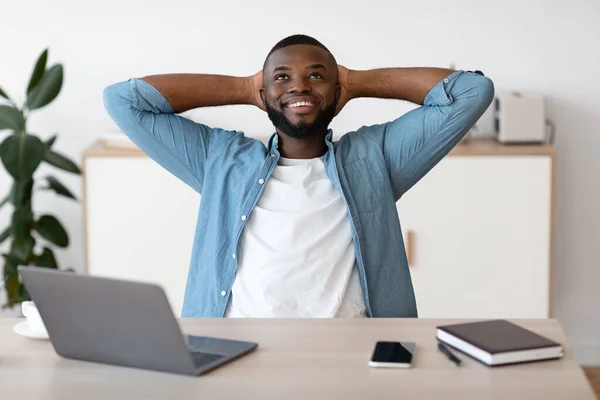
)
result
[(312, 66), (281, 68)]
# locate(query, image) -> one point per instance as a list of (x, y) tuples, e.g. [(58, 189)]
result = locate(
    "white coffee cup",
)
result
[(34, 320)]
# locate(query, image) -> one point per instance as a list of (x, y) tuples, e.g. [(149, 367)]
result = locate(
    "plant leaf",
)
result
[(38, 71), (11, 284), (21, 193), (23, 248), (52, 230), (11, 276), (21, 221), (9, 268), (11, 194), (21, 155), (12, 290), (3, 94), (51, 141), (59, 188), (5, 234), (60, 161), (46, 259), (47, 89), (10, 118), (23, 294), (14, 260)]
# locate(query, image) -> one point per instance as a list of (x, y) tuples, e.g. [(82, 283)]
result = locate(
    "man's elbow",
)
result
[(116, 99), (113, 94), (484, 87), (474, 94)]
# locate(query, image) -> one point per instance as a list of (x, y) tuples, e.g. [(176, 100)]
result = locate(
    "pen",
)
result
[(449, 354)]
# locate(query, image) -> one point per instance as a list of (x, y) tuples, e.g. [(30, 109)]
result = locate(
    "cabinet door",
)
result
[(480, 232), (140, 223)]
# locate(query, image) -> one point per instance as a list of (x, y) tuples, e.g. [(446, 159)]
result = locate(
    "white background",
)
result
[(549, 47)]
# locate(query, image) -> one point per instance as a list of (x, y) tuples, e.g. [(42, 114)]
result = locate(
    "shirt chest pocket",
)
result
[(366, 183)]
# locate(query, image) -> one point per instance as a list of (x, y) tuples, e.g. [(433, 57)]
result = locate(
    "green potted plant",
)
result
[(21, 153)]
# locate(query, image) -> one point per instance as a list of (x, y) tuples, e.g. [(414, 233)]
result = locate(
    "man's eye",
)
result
[(282, 76), (316, 75)]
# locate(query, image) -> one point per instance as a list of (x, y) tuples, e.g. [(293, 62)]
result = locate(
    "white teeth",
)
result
[(301, 104)]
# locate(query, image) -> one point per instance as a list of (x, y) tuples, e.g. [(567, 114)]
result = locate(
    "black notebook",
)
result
[(499, 342)]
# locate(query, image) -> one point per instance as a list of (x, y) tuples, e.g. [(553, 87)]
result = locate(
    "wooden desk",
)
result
[(303, 359)]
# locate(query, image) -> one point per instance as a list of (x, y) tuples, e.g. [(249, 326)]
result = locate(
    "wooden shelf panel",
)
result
[(474, 147)]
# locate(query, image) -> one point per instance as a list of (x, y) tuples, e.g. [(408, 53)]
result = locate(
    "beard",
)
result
[(302, 130)]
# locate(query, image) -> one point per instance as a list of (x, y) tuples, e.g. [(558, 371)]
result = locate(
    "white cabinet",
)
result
[(140, 222), (479, 233), (479, 223)]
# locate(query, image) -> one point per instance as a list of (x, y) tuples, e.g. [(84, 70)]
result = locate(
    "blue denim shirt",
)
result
[(371, 168)]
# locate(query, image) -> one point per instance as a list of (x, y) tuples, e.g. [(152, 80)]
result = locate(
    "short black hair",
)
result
[(294, 40)]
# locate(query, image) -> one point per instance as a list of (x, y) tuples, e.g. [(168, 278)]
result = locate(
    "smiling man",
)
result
[(305, 226)]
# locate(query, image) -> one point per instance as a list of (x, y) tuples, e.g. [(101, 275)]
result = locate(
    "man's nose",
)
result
[(299, 85)]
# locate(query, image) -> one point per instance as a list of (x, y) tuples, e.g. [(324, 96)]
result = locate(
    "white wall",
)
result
[(551, 47)]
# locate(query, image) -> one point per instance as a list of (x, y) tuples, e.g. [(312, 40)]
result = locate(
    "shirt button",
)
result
[(223, 293), (243, 217), (446, 80), (233, 255), (272, 155), (261, 181)]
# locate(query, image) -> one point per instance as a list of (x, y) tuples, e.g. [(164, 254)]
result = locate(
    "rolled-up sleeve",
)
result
[(414, 143), (146, 117)]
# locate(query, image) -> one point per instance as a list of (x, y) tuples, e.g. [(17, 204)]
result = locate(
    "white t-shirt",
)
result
[(297, 254)]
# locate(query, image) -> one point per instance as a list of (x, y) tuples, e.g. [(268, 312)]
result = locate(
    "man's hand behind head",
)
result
[(344, 95), (256, 84)]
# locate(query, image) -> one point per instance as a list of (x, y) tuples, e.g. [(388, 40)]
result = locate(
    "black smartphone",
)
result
[(393, 354)]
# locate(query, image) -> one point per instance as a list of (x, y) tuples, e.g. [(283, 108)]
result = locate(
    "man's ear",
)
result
[(338, 92), (262, 96)]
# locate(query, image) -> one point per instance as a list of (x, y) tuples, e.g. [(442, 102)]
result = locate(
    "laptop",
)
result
[(123, 323)]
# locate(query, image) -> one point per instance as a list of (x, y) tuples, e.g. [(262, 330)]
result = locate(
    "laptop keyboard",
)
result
[(201, 359)]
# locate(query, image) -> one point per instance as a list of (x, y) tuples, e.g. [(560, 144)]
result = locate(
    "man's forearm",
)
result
[(411, 84), (188, 91)]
